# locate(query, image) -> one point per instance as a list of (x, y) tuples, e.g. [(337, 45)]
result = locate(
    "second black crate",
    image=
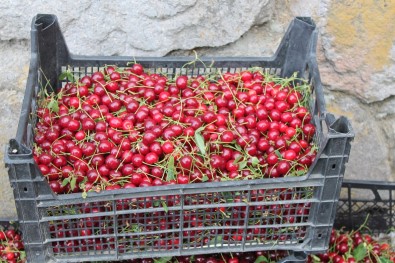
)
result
[(370, 201)]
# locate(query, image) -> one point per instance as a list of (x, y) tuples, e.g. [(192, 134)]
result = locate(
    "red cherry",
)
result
[(289, 155), (182, 82), (182, 179), (167, 147), (151, 158), (186, 162), (227, 136)]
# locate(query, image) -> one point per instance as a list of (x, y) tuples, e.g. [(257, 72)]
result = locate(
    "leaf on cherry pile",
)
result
[(315, 258), (360, 252), (299, 172), (243, 165), (70, 180), (200, 141), (67, 75), (241, 162), (22, 255), (53, 105), (73, 182), (236, 161), (171, 169), (261, 259), (278, 154), (254, 161), (385, 260), (65, 181)]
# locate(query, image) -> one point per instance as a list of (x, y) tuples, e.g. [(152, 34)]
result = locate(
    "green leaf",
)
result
[(238, 148), (261, 259), (360, 252), (254, 161), (200, 142), (63, 75), (65, 181), (315, 258), (22, 254), (59, 95), (228, 197), (164, 205), (162, 260), (171, 169), (156, 203), (66, 75), (242, 165), (53, 105), (300, 172), (384, 260), (277, 152), (135, 228), (204, 178), (215, 240), (84, 194), (73, 182), (238, 159)]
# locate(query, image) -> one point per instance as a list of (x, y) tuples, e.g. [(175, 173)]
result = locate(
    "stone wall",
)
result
[(356, 54)]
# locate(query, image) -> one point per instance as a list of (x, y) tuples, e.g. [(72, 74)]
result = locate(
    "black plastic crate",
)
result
[(132, 218), (372, 201)]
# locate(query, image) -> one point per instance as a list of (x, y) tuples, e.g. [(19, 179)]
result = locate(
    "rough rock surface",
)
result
[(357, 68), (355, 52), (358, 43), (15, 64), (139, 27), (363, 164)]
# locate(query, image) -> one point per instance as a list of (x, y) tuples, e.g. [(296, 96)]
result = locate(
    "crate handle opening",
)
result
[(17, 148), (44, 21), (340, 125)]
